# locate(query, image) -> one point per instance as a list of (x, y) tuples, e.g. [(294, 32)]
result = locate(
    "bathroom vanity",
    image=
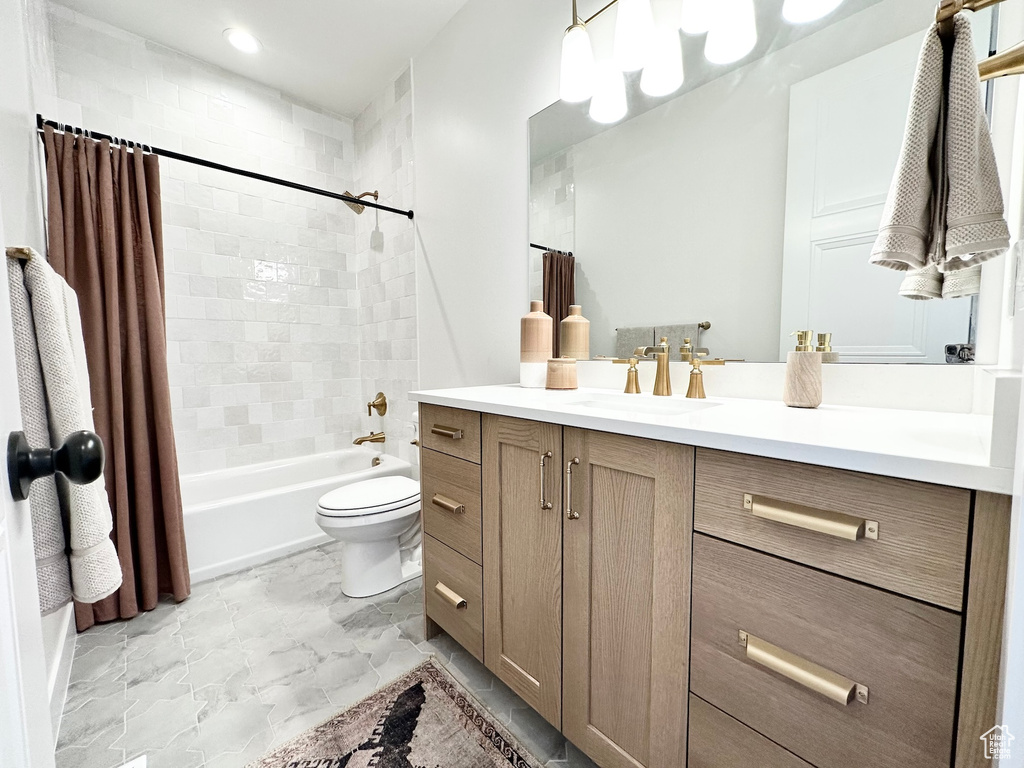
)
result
[(721, 584)]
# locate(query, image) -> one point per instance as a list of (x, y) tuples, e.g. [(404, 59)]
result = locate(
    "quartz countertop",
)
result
[(943, 448)]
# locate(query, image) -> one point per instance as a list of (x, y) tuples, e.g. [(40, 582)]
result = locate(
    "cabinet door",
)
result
[(628, 529), (522, 529)]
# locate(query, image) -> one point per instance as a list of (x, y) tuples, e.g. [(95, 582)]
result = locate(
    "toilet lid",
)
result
[(370, 497)]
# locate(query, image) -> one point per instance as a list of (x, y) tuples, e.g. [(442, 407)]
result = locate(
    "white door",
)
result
[(846, 128), (26, 738)]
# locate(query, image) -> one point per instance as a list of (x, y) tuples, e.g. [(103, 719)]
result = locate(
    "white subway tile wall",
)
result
[(386, 263), (552, 211), (266, 294)]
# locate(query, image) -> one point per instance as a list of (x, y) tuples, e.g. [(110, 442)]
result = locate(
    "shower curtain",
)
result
[(105, 239), (559, 290)]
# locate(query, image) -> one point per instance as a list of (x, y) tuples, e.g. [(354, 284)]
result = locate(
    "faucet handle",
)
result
[(379, 403)]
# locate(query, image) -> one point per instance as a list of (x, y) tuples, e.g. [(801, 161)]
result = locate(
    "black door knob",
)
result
[(80, 460)]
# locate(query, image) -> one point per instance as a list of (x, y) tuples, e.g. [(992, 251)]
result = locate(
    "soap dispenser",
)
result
[(825, 347), (803, 374), (574, 335)]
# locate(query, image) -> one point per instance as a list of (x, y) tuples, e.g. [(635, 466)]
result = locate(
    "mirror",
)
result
[(750, 198)]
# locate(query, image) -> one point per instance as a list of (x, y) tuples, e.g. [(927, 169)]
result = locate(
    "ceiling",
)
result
[(336, 54)]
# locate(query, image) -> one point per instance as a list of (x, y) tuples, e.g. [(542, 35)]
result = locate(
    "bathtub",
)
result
[(236, 518)]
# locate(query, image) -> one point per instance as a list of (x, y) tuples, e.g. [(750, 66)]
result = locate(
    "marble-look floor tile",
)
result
[(253, 659)]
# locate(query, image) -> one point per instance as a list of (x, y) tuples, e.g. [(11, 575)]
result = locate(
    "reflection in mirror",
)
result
[(750, 198)]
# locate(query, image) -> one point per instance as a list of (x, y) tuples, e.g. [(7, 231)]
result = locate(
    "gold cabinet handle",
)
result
[(570, 513), (825, 682), (544, 503), (448, 505), (456, 600), (830, 523), (454, 434)]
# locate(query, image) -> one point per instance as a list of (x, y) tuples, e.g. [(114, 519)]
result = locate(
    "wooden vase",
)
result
[(535, 335), (561, 373), (575, 334)]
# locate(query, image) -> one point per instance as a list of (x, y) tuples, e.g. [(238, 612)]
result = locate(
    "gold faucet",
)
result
[(696, 389), (373, 437), (662, 379), (379, 403)]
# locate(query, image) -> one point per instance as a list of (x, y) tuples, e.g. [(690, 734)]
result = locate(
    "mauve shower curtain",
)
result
[(559, 290), (105, 239)]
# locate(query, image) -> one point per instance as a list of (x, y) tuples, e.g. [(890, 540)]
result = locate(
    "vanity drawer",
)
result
[(451, 502), (921, 543), (835, 633), (719, 741), (451, 430), (452, 586)]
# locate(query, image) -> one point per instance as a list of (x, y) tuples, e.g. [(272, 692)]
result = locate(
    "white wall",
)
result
[(477, 83), (20, 29)]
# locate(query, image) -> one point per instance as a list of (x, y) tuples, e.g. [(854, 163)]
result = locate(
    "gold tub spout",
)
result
[(373, 437)]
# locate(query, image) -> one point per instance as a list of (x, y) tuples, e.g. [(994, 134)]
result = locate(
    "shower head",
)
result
[(356, 206)]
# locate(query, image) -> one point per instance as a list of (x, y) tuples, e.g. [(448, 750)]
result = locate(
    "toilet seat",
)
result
[(376, 496)]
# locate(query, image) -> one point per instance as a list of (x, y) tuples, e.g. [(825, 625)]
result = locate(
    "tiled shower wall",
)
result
[(552, 211), (264, 284), (386, 262)]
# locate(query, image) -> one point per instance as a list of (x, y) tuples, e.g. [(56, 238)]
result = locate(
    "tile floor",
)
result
[(254, 658)]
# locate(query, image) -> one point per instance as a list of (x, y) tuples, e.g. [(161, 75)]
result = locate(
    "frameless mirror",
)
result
[(751, 197)]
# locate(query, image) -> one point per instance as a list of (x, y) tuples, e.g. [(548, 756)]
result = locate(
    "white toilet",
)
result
[(378, 522)]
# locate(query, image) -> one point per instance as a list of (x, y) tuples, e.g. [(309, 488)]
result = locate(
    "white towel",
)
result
[(944, 212), (95, 568), (52, 567)]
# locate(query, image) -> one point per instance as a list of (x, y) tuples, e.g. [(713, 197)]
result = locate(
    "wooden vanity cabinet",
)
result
[(627, 532), (667, 607), (606, 520), (522, 529)]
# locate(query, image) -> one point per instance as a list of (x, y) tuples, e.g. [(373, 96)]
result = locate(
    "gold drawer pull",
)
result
[(830, 523), (806, 673), (458, 603), (454, 434), (448, 505)]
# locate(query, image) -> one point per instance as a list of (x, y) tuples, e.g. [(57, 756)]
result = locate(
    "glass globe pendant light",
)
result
[(634, 30), (733, 32), (577, 80), (664, 71)]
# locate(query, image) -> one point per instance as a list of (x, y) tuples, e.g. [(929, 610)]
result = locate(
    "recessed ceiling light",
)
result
[(242, 40)]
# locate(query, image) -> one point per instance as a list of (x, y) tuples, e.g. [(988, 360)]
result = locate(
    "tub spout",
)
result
[(373, 437)]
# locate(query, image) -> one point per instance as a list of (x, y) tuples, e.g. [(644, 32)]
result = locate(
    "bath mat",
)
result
[(425, 719)]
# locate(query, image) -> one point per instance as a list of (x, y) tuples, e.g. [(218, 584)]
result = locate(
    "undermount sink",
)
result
[(647, 405)]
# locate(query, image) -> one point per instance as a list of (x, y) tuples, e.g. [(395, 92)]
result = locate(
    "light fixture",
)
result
[(577, 82), (609, 102), (733, 32), (242, 40), (664, 72), (696, 19), (634, 28), (803, 11)]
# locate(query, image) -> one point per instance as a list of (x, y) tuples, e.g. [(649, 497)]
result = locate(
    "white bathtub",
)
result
[(235, 518)]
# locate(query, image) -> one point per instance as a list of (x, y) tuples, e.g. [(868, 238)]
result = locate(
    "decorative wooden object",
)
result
[(562, 373), (535, 347), (575, 334), (803, 380)]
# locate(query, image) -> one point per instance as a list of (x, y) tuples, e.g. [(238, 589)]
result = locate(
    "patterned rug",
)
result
[(422, 720)]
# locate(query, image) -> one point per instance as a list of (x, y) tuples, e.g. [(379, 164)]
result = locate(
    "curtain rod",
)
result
[(41, 122), (550, 250)]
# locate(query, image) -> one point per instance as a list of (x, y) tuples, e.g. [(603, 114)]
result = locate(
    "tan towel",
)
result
[(95, 568), (944, 212)]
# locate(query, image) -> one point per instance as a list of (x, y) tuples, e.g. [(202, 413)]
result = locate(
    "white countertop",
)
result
[(943, 448)]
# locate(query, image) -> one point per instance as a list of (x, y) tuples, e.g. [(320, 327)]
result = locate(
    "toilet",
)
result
[(378, 523)]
